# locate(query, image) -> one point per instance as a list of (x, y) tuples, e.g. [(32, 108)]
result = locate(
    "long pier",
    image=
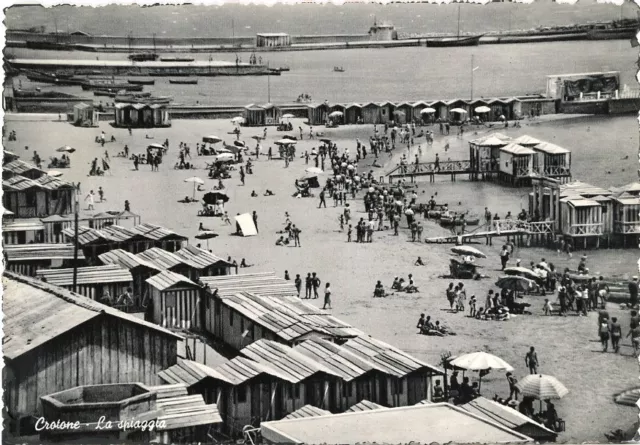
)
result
[(430, 169)]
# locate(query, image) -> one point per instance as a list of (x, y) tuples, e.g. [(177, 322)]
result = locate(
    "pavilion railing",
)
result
[(586, 229), (507, 225), (430, 167), (626, 227)]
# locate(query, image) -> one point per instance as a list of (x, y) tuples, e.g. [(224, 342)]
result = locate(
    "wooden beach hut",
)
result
[(41, 197), (26, 259), (22, 230), (516, 163), (552, 161), (371, 113), (161, 237), (174, 301), (140, 270), (8, 156), (55, 340), (627, 218), (164, 260), (95, 282), (581, 218), (353, 114), (317, 113), (205, 264), (484, 153), (261, 115), (142, 115), (55, 225), (455, 104), (442, 110), (416, 112), (93, 242), (386, 110), (403, 113), (266, 284), (22, 169), (409, 380), (85, 115), (341, 109)]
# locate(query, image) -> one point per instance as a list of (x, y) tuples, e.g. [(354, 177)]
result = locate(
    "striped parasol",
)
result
[(542, 387)]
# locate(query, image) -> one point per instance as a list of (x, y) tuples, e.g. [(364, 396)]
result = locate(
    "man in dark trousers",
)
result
[(315, 283), (322, 201), (308, 285), (633, 292), (255, 220)]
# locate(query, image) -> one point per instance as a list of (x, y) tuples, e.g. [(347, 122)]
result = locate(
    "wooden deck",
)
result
[(533, 231), (452, 168)]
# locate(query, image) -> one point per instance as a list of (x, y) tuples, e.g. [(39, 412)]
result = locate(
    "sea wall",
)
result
[(328, 38), (624, 106), (584, 107)]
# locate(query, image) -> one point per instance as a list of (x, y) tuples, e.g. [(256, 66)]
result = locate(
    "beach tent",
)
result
[(245, 223)]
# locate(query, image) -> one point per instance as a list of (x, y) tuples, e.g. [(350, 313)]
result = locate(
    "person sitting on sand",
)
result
[(411, 287), (379, 292), (420, 323), (254, 194), (419, 262), (480, 314), (269, 193), (396, 284), (243, 263)]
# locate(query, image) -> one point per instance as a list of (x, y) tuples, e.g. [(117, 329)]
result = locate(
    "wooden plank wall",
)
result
[(103, 350)]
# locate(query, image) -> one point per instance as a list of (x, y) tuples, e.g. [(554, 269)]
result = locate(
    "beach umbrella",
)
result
[(257, 138), (542, 387), (156, 146), (314, 170), (325, 140), (399, 113), (195, 181), (467, 250), (336, 114), (224, 157), (284, 142), (238, 120), (408, 212), (458, 110), (239, 144), (211, 139), (515, 283), (206, 235), (350, 167), (288, 116), (427, 110), (214, 197), (65, 149), (480, 361), (288, 136), (521, 271), (54, 173), (482, 109)]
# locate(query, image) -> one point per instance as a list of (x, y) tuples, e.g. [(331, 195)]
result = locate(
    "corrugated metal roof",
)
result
[(21, 224), (365, 405), (516, 149), (240, 370), (48, 182), (184, 412), (36, 312), (501, 414), (19, 167), (34, 252), (156, 233), (341, 361), (86, 275), (125, 259), (308, 411), (166, 279), (18, 183), (87, 235), (266, 284), (296, 366), (122, 234), (392, 360), (188, 372), (199, 258), (551, 149), (160, 258)]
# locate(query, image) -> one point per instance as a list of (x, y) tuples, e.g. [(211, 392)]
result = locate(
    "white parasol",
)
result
[(458, 110), (427, 110), (195, 181), (482, 109)]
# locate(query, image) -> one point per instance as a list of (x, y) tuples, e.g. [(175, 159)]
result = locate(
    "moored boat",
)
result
[(141, 81), (91, 85), (134, 98), (446, 42), (143, 57), (176, 59), (184, 81)]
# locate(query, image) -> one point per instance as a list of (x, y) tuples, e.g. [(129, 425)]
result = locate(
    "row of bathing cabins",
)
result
[(406, 112), (582, 213), (281, 354)]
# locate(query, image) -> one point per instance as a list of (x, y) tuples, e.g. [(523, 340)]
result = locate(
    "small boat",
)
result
[(89, 86), (184, 81), (176, 59), (446, 42), (47, 78), (143, 57), (141, 81), (134, 99), (284, 68), (105, 93), (338, 69)]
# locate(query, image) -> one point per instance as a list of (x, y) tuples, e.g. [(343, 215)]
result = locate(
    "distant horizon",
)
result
[(308, 19)]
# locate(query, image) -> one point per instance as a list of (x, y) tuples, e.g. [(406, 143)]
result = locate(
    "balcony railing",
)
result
[(626, 227), (586, 229), (507, 225), (430, 167)]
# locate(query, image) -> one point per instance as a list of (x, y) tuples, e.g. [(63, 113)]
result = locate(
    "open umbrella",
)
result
[(65, 149), (521, 271), (156, 146), (54, 173), (284, 142), (515, 283), (458, 110), (314, 170), (213, 197), (238, 120), (482, 109), (206, 235), (325, 140), (211, 139), (224, 157), (399, 113), (542, 387), (257, 138), (288, 116), (336, 114), (195, 181), (467, 250), (288, 136), (427, 110), (481, 361), (239, 144)]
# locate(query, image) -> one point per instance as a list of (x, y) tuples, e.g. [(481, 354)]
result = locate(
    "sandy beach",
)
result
[(568, 347)]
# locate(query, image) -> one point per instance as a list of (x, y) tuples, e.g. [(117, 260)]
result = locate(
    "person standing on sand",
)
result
[(298, 283), (315, 283), (286, 275), (308, 286), (327, 296), (254, 215), (322, 200), (242, 175), (531, 360), (504, 256), (90, 199), (296, 236)]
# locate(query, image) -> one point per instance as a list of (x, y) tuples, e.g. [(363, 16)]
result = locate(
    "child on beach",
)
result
[(472, 306), (547, 307), (349, 231)]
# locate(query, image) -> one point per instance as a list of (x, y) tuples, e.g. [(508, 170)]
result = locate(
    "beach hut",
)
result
[(204, 263), (501, 107), (386, 112), (403, 113), (8, 156), (174, 301), (516, 162), (408, 380), (54, 225), (484, 152), (260, 115), (42, 197), (317, 114), (161, 237), (627, 217), (22, 230), (552, 161), (164, 260), (140, 270), (458, 104), (27, 258), (261, 283), (23, 169), (442, 110), (95, 282), (416, 112), (85, 115), (55, 339), (131, 240), (371, 113), (142, 115), (581, 218), (353, 114), (339, 120)]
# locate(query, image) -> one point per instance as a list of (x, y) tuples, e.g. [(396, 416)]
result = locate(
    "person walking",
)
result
[(254, 215), (296, 236), (242, 175), (531, 360), (603, 330), (90, 199), (513, 389), (504, 256), (298, 283), (616, 333), (327, 296), (307, 286), (315, 283), (322, 199)]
